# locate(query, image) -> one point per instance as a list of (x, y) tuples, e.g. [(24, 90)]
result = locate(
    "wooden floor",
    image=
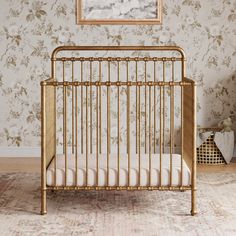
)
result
[(33, 165), (18, 164)]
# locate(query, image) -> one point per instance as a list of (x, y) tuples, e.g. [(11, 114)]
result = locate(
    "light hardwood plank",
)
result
[(20, 164)]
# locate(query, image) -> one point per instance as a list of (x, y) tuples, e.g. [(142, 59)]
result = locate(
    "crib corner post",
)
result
[(194, 157), (43, 151), (193, 202), (43, 202)]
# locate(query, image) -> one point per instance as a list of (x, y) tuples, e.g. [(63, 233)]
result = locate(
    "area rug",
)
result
[(117, 212)]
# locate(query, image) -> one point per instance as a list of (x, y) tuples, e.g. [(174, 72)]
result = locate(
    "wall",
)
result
[(30, 30)]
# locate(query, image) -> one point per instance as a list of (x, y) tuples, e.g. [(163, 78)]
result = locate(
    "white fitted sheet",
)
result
[(113, 170)]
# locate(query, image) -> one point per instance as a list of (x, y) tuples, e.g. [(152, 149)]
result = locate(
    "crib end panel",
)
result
[(48, 127), (189, 137), (48, 137)]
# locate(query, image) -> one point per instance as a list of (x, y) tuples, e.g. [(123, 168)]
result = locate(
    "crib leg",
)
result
[(193, 202), (44, 202)]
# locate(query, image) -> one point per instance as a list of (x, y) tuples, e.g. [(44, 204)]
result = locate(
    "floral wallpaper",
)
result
[(30, 30)]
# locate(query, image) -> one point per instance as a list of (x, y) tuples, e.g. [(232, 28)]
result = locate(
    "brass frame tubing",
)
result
[(145, 107), (154, 112), (172, 121), (150, 135), (139, 134), (76, 133), (182, 120), (128, 119), (91, 108), (108, 122), (164, 105), (54, 58), (136, 93), (97, 135), (63, 78), (43, 152), (65, 130), (118, 124), (53, 65), (86, 135), (194, 155), (82, 108), (161, 134), (100, 108), (73, 108)]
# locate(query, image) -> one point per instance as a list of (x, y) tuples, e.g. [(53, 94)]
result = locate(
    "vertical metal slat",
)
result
[(154, 112), (91, 108), (73, 111), (145, 111), (164, 105), (108, 124), (150, 136), (100, 108), (172, 117), (65, 132), (118, 125), (86, 134), (82, 108), (139, 134), (97, 135), (76, 135), (161, 136)]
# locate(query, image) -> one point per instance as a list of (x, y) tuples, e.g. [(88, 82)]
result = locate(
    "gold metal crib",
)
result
[(108, 110)]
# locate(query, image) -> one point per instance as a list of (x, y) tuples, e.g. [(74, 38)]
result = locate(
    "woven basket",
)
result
[(208, 153)]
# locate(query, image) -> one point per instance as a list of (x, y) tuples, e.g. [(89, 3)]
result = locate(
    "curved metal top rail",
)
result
[(118, 48)]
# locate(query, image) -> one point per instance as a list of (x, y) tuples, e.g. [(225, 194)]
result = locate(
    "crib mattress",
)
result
[(91, 178)]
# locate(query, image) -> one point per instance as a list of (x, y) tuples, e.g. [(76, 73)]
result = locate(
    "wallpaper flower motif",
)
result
[(30, 30)]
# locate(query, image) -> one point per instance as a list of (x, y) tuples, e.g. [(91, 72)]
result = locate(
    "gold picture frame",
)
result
[(81, 19)]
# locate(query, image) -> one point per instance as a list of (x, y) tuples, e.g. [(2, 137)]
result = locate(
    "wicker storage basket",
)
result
[(208, 153)]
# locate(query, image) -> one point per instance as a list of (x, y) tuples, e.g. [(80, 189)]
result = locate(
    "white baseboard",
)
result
[(20, 152)]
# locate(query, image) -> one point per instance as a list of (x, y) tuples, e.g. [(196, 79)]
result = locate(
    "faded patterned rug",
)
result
[(117, 213)]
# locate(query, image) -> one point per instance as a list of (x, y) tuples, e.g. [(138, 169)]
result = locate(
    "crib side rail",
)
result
[(48, 142), (47, 122), (189, 119), (189, 136)]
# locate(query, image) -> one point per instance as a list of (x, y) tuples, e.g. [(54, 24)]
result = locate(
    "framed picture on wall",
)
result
[(119, 12)]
